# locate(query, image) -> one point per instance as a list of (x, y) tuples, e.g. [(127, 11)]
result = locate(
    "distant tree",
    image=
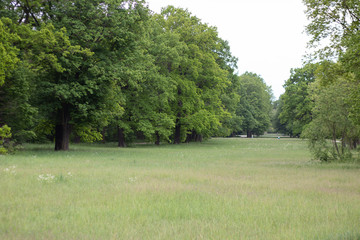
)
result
[(232, 124), (296, 105), (255, 104), (275, 120), (199, 78), (149, 86), (72, 68)]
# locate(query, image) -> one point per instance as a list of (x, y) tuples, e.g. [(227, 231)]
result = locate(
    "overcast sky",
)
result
[(265, 35)]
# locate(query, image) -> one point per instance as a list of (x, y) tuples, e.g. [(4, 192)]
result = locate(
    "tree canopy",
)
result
[(255, 104), (113, 70), (296, 105), (321, 101)]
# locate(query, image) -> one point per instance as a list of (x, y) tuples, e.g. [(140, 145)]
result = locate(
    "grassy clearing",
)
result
[(220, 189)]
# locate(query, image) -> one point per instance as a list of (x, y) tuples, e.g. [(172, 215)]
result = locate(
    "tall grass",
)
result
[(219, 189)]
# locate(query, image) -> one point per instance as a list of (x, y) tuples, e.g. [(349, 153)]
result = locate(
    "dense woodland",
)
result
[(115, 71), (73, 71)]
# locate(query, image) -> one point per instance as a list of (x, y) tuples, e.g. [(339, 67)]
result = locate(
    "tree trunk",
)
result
[(199, 138), (354, 143), (335, 143), (63, 130), (121, 137), (248, 134), (77, 139), (190, 137), (177, 137), (103, 135), (194, 137), (157, 141)]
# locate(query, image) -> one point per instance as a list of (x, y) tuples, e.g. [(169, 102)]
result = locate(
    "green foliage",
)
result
[(148, 86), (276, 123), (331, 115), (202, 74), (255, 104), (295, 110), (75, 49), (230, 98), (88, 134), (8, 52), (5, 134), (16, 107), (336, 21), (350, 61), (85, 65)]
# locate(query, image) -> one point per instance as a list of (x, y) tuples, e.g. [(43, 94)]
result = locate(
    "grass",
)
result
[(219, 189)]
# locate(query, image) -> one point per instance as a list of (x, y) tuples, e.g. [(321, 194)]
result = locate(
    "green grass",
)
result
[(219, 189)]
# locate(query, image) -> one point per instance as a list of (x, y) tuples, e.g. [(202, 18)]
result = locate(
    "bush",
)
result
[(5, 135)]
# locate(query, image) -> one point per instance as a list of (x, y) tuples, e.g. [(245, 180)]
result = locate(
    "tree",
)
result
[(81, 90), (277, 109), (231, 125), (230, 122), (8, 60), (149, 87), (350, 60), (255, 104), (338, 22), (331, 115), (200, 79), (4, 135), (84, 65), (8, 52), (16, 107), (296, 105)]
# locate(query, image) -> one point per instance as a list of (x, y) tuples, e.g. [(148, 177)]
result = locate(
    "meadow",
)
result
[(219, 189)]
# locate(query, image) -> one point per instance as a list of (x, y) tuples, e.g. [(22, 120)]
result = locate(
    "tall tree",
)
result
[(338, 21), (255, 104), (149, 87), (296, 105), (8, 52), (8, 60), (200, 79), (277, 109), (83, 88)]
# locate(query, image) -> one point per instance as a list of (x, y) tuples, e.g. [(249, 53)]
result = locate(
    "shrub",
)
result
[(5, 135)]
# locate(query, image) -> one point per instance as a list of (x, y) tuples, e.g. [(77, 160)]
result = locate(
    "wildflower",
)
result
[(46, 177), (132, 179), (10, 170)]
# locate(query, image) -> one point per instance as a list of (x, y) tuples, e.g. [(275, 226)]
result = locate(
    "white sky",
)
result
[(265, 35)]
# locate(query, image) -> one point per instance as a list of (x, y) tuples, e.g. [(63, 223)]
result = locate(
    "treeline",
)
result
[(115, 71), (322, 100)]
